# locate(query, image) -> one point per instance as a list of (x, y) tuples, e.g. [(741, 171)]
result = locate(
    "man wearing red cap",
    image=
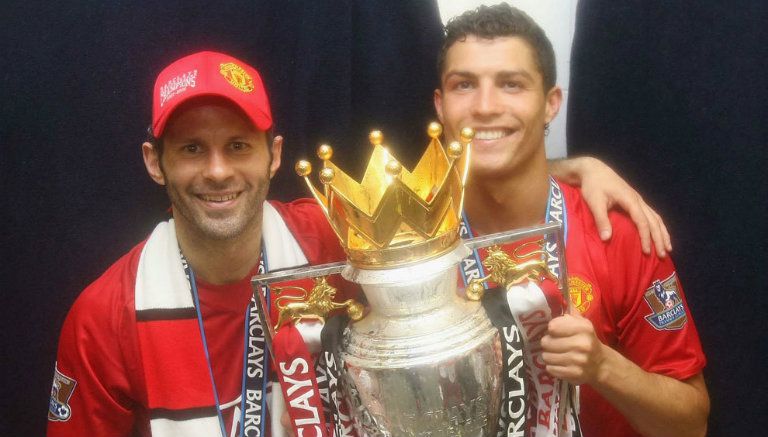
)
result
[(167, 341), (156, 345)]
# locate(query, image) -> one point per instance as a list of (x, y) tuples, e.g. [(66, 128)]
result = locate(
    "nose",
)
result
[(217, 166), (487, 102)]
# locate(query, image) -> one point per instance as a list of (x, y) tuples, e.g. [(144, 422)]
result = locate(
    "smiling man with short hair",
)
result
[(157, 345), (638, 360)]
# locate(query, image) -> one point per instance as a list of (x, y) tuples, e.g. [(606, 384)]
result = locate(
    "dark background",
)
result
[(673, 94)]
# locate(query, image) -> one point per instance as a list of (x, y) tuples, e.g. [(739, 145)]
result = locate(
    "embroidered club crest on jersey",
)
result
[(581, 293), (667, 305), (237, 76), (58, 406)]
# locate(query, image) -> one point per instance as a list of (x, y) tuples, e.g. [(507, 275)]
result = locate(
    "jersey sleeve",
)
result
[(91, 392), (314, 234), (655, 328), (317, 239)]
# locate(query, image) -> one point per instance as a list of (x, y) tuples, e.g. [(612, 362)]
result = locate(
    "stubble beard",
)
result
[(231, 224)]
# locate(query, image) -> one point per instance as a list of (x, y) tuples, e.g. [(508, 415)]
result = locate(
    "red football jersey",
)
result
[(635, 302), (99, 387)]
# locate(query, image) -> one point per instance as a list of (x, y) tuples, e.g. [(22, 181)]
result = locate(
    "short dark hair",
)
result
[(157, 143), (500, 20)]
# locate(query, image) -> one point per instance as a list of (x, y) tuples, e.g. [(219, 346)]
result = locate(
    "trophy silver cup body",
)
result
[(425, 361)]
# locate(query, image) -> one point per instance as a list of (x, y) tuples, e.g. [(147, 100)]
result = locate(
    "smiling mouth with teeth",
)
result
[(222, 198), (494, 134)]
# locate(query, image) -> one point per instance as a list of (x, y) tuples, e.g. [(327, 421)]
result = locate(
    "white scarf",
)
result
[(162, 284)]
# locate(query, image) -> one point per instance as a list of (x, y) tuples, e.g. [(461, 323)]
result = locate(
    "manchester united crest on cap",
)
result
[(237, 76), (667, 305), (58, 406), (581, 293)]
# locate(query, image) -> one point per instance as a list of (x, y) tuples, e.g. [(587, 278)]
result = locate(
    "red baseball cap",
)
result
[(210, 74)]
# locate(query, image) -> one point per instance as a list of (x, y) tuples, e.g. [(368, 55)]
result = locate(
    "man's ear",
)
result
[(152, 163), (438, 100), (554, 100), (277, 150)]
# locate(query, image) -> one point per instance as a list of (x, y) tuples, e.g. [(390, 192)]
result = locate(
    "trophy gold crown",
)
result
[(394, 216)]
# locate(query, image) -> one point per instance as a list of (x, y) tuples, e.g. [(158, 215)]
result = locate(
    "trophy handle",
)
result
[(354, 309), (506, 271), (314, 304)]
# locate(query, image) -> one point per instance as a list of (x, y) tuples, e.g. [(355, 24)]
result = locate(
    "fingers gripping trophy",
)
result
[(441, 346)]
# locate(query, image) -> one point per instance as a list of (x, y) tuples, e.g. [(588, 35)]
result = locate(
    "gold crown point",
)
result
[(303, 168), (395, 216), (454, 150), (376, 137), (467, 134), (326, 175), (393, 168), (434, 130), (325, 152)]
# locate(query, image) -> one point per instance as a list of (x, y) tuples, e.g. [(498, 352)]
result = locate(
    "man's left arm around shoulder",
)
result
[(603, 189), (655, 405)]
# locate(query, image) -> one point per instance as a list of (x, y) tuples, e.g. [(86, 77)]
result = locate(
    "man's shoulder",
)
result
[(304, 218), (579, 215), (299, 207), (110, 292), (98, 348), (308, 224)]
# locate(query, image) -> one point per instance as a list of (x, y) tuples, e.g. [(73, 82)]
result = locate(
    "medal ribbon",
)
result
[(555, 213), (253, 403)]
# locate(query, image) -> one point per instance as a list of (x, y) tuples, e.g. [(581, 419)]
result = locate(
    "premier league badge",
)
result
[(58, 406), (668, 308)]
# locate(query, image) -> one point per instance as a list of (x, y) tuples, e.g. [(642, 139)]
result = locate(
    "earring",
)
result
[(546, 129)]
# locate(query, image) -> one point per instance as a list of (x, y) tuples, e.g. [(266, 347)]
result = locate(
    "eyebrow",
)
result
[(503, 74), (459, 73), (238, 138), (198, 140), (512, 73)]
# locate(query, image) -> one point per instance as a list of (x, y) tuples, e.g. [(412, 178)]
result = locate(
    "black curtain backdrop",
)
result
[(675, 96), (672, 94)]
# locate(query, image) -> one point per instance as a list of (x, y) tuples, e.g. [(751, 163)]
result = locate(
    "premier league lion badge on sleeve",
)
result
[(62, 389), (668, 308)]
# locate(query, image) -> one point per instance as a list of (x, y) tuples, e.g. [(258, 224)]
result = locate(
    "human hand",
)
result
[(603, 189), (571, 350)]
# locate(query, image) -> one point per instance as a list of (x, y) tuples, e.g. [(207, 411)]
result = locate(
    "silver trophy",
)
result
[(425, 359)]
